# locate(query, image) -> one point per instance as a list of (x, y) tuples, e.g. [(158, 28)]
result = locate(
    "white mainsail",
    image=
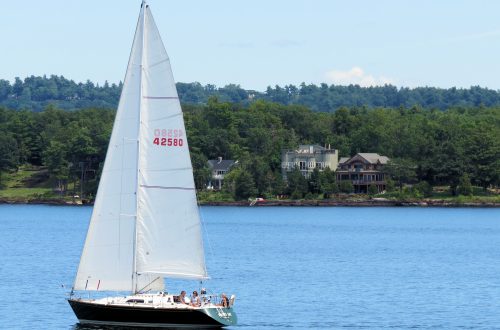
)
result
[(145, 224)]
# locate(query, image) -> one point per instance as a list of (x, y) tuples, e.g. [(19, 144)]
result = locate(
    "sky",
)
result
[(260, 43)]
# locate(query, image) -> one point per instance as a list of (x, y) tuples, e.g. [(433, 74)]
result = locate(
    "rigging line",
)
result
[(163, 118), (160, 97), (169, 169), (157, 63), (211, 250), (151, 282), (167, 188)]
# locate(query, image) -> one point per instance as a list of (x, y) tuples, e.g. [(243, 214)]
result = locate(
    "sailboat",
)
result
[(145, 226)]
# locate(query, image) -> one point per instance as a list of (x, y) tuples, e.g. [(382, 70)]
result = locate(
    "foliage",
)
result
[(390, 186), (346, 187), (372, 189), (240, 184), (297, 184), (423, 188), (464, 185), (400, 170), (9, 156), (438, 147), (328, 182), (36, 93)]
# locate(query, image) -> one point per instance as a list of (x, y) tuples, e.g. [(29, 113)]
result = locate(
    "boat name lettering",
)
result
[(223, 314)]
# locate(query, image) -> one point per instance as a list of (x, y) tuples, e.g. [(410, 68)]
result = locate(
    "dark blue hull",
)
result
[(92, 313)]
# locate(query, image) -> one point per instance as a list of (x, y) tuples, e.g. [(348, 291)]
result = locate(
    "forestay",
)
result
[(145, 219)]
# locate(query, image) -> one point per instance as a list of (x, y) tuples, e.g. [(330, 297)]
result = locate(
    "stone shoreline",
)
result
[(323, 203), (364, 203)]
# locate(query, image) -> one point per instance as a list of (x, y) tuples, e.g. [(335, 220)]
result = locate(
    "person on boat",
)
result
[(195, 299), (183, 299), (224, 301)]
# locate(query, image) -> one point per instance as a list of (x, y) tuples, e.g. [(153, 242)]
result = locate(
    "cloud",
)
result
[(356, 76)]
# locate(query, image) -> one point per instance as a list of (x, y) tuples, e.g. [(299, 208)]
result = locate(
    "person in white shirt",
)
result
[(195, 300)]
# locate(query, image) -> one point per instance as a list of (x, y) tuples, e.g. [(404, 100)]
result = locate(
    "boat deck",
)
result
[(158, 300)]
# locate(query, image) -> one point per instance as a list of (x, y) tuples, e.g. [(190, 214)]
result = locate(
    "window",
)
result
[(302, 165)]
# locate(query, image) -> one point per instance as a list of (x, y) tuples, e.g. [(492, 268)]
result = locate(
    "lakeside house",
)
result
[(218, 169), (363, 169), (308, 157)]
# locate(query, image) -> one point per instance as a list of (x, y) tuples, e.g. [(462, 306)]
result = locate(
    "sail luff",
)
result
[(137, 178)]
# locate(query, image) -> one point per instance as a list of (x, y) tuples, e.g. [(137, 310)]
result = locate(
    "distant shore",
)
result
[(375, 202), (364, 203)]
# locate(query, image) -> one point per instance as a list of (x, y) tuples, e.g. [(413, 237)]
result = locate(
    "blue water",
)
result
[(330, 268)]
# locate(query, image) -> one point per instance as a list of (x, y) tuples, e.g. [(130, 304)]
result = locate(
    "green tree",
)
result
[(484, 150), (390, 186), (278, 184), (346, 187), (57, 163), (401, 170), (244, 186), (449, 164), (240, 184), (201, 171), (464, 185), (328, 182), (424, 188), (315, 182), (297, 184), (372, 189), (8, 154)]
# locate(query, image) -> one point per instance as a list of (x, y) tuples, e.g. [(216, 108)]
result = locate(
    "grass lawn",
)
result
[(26, 183)]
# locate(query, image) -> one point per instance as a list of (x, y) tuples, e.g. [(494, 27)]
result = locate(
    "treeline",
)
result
[(35, 93), (439, 148), (71, 144)]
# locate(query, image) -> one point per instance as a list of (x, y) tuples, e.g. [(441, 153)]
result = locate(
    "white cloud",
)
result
[(356, 76)]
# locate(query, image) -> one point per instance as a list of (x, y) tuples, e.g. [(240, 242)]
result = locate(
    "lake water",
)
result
[(290, 267)]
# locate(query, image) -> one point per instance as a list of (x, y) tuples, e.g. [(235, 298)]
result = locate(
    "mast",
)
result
[(139, 124)]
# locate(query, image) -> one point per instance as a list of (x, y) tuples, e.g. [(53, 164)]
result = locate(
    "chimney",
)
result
[(219, 160)]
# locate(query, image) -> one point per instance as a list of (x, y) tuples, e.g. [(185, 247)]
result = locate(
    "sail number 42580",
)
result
[(168, 137)]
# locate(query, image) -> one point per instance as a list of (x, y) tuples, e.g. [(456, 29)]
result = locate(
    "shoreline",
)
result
[(294, 203)]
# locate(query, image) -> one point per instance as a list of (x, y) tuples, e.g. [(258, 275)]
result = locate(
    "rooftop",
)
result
[(221, 164)]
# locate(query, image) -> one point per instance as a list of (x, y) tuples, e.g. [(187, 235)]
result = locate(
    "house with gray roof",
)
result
[(363, 169), (218, 169)]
